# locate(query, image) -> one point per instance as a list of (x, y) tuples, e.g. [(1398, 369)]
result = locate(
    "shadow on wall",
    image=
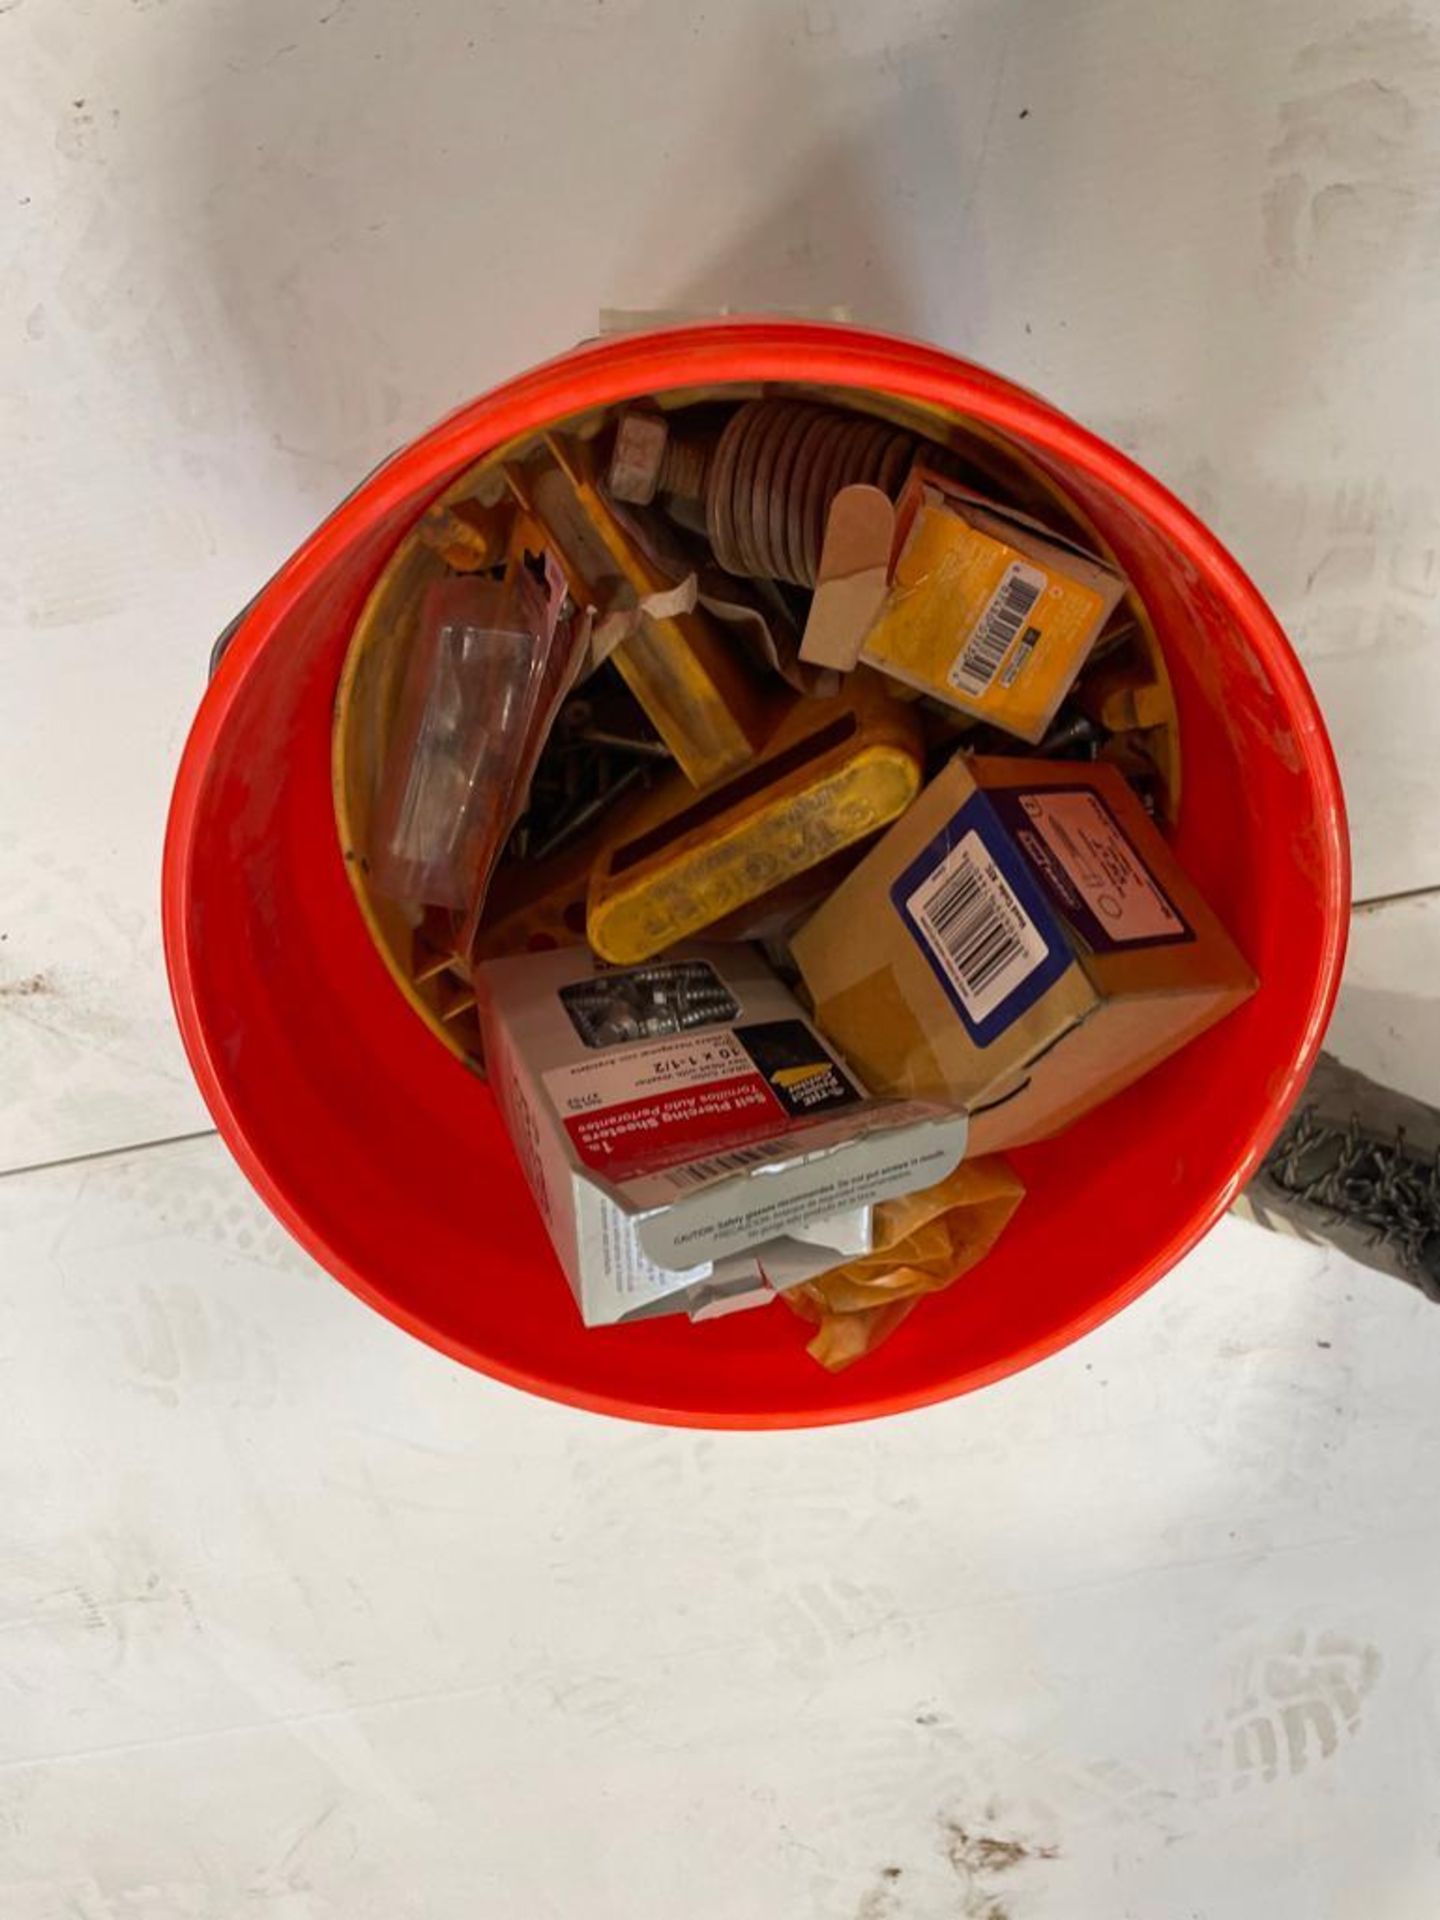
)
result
[(1387, 1019), (400, 209), (396, 218), (870, 213)]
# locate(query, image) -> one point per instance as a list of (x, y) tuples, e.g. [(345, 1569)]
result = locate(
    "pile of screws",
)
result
[(602, 748), (675, 997), (1378, 1185)]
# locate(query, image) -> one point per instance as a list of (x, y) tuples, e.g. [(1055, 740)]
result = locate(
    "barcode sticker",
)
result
[(1011, 604), (970, 918), (697, 1173), (1020, 658)]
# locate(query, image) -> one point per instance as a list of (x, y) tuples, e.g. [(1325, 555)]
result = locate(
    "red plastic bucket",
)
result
[(386, 1158)]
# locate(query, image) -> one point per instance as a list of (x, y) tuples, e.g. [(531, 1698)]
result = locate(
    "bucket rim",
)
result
[(713, 353)]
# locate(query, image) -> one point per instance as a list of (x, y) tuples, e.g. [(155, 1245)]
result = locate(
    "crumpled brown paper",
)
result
[(923, 1241)]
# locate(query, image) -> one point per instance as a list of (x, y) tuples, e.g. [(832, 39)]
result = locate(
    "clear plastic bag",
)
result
[(490, 663)]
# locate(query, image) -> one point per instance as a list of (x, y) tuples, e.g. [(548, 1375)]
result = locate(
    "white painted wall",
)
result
[(299, 1621), (250, 245)]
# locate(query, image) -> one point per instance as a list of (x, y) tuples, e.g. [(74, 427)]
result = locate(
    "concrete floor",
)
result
[(299, 1620)]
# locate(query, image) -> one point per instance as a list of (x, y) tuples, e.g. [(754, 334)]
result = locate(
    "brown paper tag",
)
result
[(854, 570)]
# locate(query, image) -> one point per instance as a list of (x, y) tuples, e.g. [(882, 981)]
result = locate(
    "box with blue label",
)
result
[(1022, 941)]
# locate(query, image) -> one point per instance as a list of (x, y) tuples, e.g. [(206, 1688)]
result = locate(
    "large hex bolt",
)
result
[(762, 491)]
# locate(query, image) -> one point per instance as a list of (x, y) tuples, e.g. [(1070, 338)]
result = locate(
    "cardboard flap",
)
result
[(854, 572), (899, 1149)]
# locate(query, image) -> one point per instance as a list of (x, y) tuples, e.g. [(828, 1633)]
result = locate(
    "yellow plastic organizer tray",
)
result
[(833, 772)]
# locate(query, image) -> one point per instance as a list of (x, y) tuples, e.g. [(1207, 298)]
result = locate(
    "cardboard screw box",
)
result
[(674, 1118), (1022, 941), (986, 609)]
